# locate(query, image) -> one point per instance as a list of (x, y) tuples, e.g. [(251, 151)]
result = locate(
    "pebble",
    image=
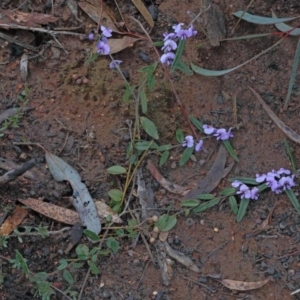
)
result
[(283, 225), (106, 294), (173, 165), (202, 279), (270, 270), (190, 222), (277, 275), (291, 272), (201, 162)]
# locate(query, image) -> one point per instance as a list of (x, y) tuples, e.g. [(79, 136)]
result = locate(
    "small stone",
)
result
[(60, 251), (190, 222), (291, 272), (270, 270), (173, 165), (136, 262), (201, 162), (283, 225), (202, 279), (106, 294), (277, 275)]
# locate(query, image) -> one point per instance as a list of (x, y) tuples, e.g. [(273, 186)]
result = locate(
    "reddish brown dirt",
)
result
[(86, 126)]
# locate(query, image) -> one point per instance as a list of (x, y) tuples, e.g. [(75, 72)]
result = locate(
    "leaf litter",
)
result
[(81, 198)]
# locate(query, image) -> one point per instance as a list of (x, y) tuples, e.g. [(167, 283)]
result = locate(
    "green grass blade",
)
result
[(294, 73), (184, 68), (242, 209), (290, 155), (259, 19), (245, 37), (230, 150), (293, 199)]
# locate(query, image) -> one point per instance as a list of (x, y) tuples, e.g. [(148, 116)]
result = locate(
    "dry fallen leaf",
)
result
[(24, 66), (144, 11), (287, 130), (65, 215), (243, 285), (81, 198), (163, 236), (52, 211), (33, 19), (93, 10), (117, 45), (13, 221)]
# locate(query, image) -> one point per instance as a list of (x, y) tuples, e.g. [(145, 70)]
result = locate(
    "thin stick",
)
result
[(14, 26), (14, 41)]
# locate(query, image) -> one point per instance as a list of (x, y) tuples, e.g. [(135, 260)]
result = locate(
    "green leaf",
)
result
[(91, 235), (186, 156), (115, 195), (104, 252), (205, 197), (62, 264), (82, 252), (190, 203), (119, 232), (293, 199), (246, 180), (158, 44), (230, 150), (179, 136), (242, 209), (112, 244), (151, 82), (68, 276), (227, 192), (40, 276), (184, 68), (178, 56), (127, 93), (164, 148), (262, 187), (260, 20), (116, 170), (91, 58), (294, 72), (290, 155), (93, 267), (285, 28), (197, 123), (77, 265), (204, 206), (166, 222), (145, 145), (22, 262), (117, 207), (144, 102), (132, 159), (149, 127), (233, 205), (164, 158)]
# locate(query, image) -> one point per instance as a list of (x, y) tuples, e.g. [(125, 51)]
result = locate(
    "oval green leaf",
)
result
[(149, 127), (164, 158), (115, 195), (190, 203), (233, 205), (179, 136), (186, 156), (116, 170), (242, 209), (206, 205)]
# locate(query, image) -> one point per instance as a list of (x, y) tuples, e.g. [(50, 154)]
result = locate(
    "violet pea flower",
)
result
[(188, 141)]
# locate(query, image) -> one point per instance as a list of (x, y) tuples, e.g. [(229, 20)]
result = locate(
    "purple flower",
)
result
[(208, 129), (167, 58), (244, 191), (91, 36), (222, 134), (177, 27), (236, 183), (169, 36), (103, 48), (188, 141), (113, 63), (199, 146), (286, 182), (254, 193), (106, 31), (260, 178), (169, 45), (192, 30), (183, 34), (283, 171)]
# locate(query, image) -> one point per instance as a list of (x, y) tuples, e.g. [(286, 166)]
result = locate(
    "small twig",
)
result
[(14, 41), (14, 26), (13, 174), (142, 275), (60, 45)]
